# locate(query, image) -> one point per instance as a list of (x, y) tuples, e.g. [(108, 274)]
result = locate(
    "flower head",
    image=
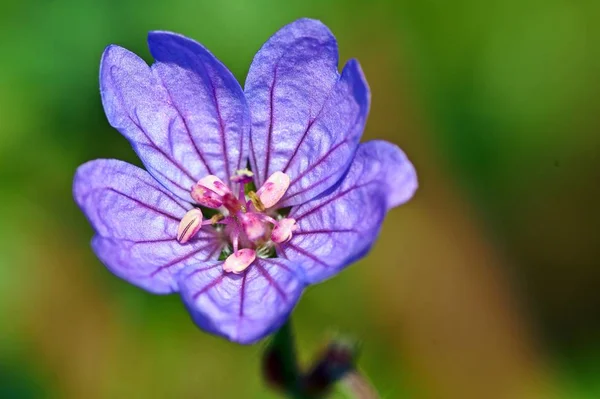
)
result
[(239, 244)]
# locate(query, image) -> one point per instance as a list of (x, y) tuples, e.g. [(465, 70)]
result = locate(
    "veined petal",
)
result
[(186, 116), (329, 142), (136, 221), (245, 307), (306, 119), (340, 227)]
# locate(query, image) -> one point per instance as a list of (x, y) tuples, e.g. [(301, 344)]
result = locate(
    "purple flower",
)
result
[(239, 244)]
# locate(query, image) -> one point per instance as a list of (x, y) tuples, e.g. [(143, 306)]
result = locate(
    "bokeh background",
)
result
[(485, 285)]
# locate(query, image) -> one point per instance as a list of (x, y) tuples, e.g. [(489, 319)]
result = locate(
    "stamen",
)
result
[(235, 239), (273, 189), (190, 225), (266, 218), (215, 219), (283, 230), (210, 191), (243, 219), (239, 261), (241, 193)]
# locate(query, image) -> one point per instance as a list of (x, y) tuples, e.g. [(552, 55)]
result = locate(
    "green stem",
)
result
[(284, 347)]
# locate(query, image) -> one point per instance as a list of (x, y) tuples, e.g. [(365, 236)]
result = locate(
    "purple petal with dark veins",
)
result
[(186, 116), (306, 119), (329, 143), (340, 227), (245, 307), (136, 221)]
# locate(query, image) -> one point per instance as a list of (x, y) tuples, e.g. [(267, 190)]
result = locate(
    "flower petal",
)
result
[(340, 227), (397, 172), (136, 221), (306, 119), (186, 116), (245, 307)]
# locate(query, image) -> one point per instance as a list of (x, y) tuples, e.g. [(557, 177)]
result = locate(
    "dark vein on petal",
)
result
[(329, 200), (324, 231), (173, 182), (135, 242), (272, 282), (241, 147), (153, 171), (312, 167), (254, 166), (178, 260), (221, 130), (310, 125), (270, 134), (160, 189), (208, 286), (217, 248), (144, 205), (319, 161), (156, 147), (283, 266), (202, 269), (137, 124), (154, 241), (185, 124), (310, 187), (307, 254), (242, 297)]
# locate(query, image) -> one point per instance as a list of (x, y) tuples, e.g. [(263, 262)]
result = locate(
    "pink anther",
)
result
[(239, 261), (210, 191), (190, 225), (283, 230), (273, 189)]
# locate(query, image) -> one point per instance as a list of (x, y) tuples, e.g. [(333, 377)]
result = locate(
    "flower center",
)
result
[(248, 221)]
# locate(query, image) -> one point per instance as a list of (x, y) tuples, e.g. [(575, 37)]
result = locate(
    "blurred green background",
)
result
[(486, 285)]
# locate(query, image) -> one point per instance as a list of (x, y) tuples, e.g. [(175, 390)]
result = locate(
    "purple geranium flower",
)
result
[(249, 195)]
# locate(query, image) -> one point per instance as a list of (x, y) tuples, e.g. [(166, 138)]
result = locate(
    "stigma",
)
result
[(251, 223)]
